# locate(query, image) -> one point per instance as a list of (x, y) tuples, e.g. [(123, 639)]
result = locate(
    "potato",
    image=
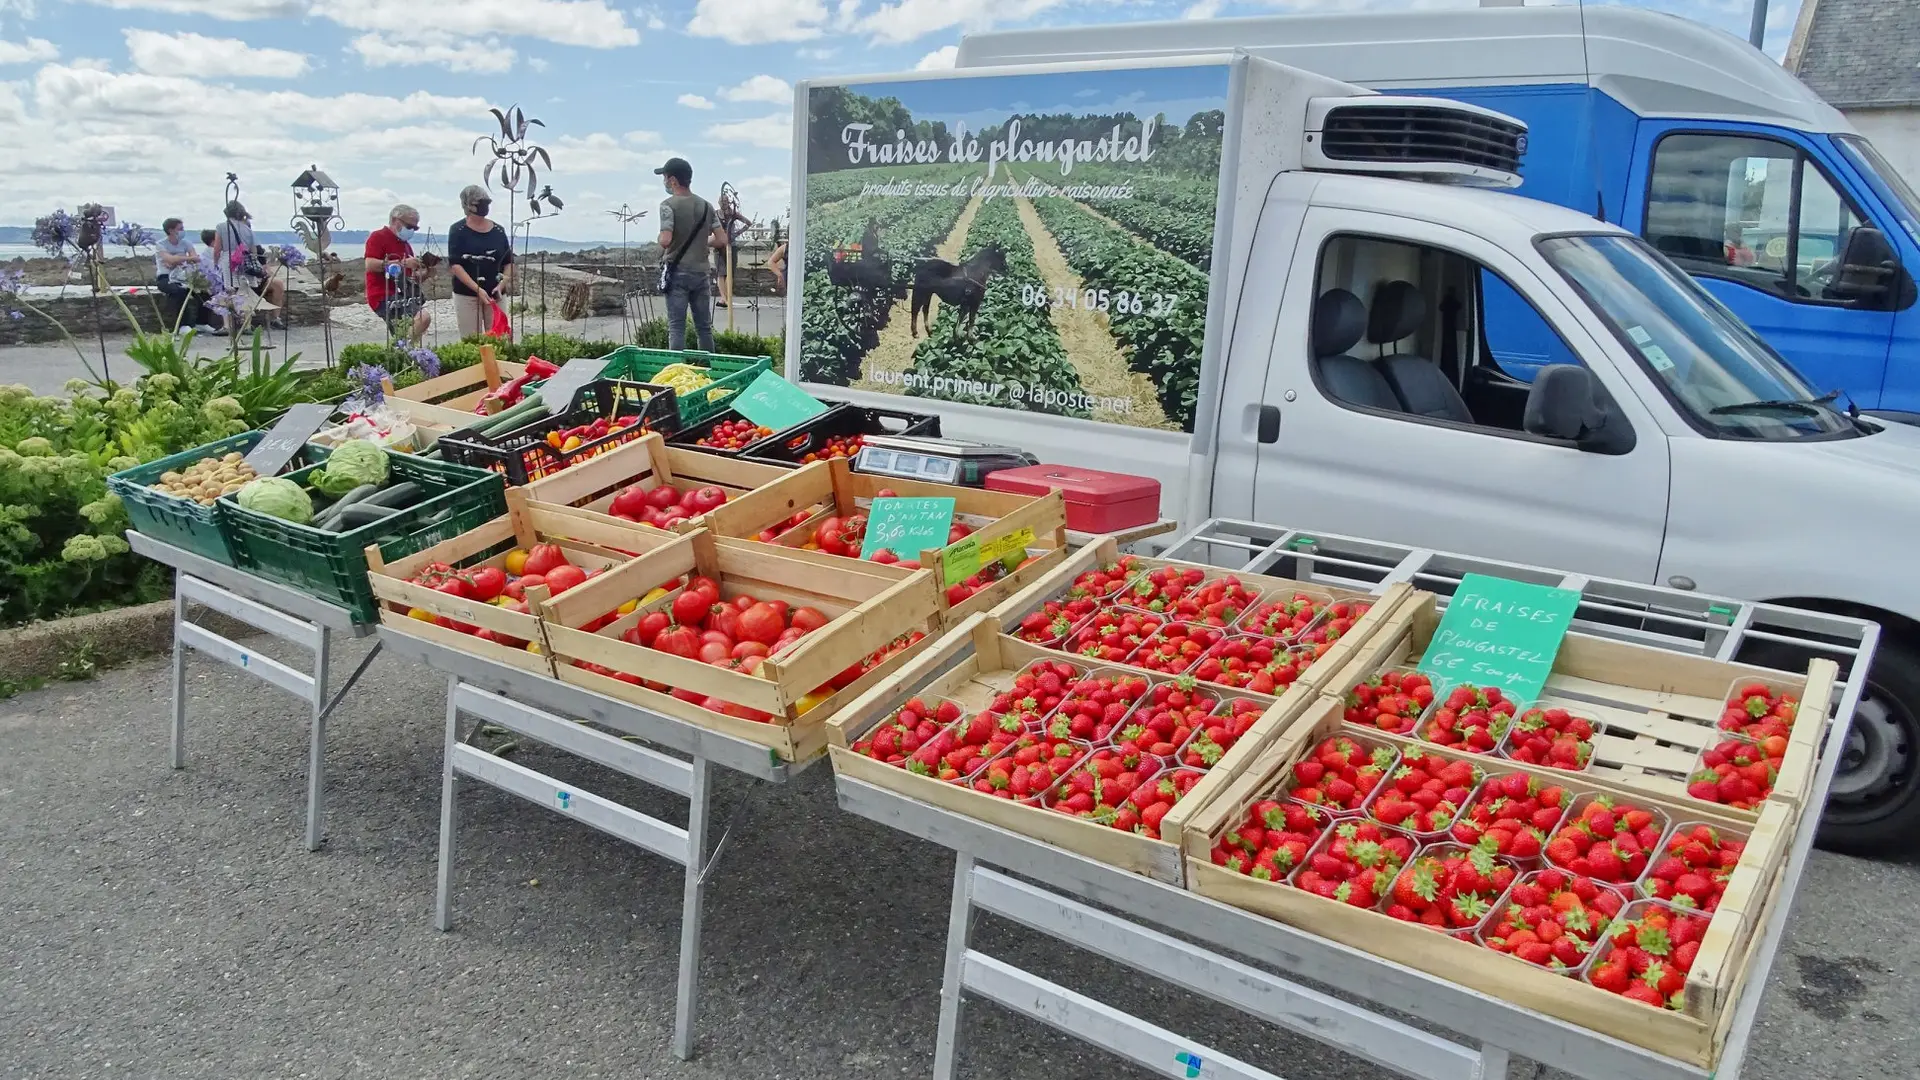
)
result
[(234, 456)]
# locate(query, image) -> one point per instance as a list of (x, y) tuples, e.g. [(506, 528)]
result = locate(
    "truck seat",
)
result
[(1399, 310), (1339, 322)]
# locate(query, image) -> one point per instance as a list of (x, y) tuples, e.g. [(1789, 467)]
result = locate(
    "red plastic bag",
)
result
[(501, 328)]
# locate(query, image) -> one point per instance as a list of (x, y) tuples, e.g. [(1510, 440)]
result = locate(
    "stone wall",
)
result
[(80, 313)]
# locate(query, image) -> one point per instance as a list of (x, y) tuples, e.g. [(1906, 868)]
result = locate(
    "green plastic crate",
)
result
[(182, 522), (333, 566), (730, 373)]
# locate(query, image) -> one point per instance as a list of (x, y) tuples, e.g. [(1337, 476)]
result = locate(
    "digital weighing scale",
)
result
[(939, 461)]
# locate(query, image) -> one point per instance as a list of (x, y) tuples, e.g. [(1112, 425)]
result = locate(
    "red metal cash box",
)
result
[(1097, 502)]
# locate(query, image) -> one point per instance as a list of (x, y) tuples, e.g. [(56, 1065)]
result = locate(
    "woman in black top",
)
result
[(481, 258)]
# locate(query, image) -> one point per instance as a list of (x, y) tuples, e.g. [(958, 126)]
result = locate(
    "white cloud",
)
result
[(196, 54), (231, 10), (31, 51), (775, 131), (485, 57), (1205, 9), (588, 23), (757, 22), (694, 101), (70, 92), (909, 20), (763, 88), (538, 64), (939, 59)]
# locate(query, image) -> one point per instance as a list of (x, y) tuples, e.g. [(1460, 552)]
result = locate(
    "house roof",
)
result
[(1858, 53)]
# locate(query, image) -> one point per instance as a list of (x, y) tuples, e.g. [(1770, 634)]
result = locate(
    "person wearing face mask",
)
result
[(394, 275), (687, 222), (174, 260), (481, 262)]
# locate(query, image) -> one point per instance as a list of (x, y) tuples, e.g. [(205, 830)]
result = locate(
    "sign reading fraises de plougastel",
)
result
[(1035, 242)]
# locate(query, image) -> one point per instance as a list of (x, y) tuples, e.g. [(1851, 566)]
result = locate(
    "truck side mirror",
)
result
[(1567, 403), (1869, 273)]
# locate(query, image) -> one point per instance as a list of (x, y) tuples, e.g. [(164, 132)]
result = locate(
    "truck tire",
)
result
[(1873, 807)]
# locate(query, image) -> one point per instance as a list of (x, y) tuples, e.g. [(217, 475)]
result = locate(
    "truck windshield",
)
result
[(1886, 181), (1711, 364)]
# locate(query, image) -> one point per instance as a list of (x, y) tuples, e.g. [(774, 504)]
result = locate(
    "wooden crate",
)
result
[(870, 611), (1659, 708), (587, 489), (589, 547), (975, 661), (460, 391), (828, 488), (1713, 984)]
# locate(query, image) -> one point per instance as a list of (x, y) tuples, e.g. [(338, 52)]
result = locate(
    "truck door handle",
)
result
[(1269, 424)]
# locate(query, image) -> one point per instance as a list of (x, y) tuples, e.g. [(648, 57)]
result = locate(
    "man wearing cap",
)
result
[(242, 259), (687, 221)]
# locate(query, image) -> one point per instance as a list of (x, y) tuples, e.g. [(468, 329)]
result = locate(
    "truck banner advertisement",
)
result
[(1038, 242)]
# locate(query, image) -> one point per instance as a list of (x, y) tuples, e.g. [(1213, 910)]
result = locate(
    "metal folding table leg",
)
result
[(946, 1047), (449, 782), (179, 755), (692, 899)]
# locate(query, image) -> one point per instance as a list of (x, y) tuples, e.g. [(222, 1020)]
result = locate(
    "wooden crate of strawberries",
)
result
[(1496, 894), (1246, 632), (474, 592), (650, 483), (799, 637), (823, 506), (1099, 759), (1630, 718)]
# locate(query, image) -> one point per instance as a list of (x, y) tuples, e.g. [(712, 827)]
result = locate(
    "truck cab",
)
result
[(1679, 133)]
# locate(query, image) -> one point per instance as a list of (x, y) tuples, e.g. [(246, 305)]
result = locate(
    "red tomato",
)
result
[(690, 607), (517, 588), (564, 577), (629, 502), (743, 601), (488, 582), (453, 586), (884, 557), (782, 607), (807, 620), (958, 533), (762, 623), (713, 651), (667, 519), (706, 585), (701, 500), (651, 624), (718, 637), (542, 558), (787, 637), (886, 493), (751, 664), (679, 641), (663, 496), (724, 618)]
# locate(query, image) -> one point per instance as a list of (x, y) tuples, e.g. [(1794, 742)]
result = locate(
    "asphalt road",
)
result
[(170, 924)]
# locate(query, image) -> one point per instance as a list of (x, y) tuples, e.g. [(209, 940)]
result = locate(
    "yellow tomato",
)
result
[(420, 613), (811, 700), (656, 594), (517, 561), (627, 608), (533, 646)]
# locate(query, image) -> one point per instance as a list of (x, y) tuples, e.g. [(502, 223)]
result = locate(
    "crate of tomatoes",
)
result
[(751, 640), (1632, 916), (475, 592), (824, 507), (606, 413), (1641, 721), (648, 482), (839, 432)]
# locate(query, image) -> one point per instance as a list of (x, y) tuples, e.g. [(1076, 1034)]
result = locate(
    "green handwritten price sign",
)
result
[(1502, 633), (965, 558), (907, 527), (773, 402)]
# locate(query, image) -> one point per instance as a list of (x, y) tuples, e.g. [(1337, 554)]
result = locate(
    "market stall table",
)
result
[(287, 614), (500, 694), (1074, 898)]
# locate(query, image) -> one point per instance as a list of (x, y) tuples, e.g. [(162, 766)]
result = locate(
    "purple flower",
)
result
[(131, 236), (16, 316), (53, 233), (12, 282), (427, 361), (372, 379), (290, 257)]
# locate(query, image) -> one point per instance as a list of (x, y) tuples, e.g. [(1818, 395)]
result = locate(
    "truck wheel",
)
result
[(1873, 807)]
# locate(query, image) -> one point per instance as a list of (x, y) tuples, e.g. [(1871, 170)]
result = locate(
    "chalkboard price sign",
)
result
[(1501, 633), (557, 392), (287, 437), (907, 527), (772, 402)]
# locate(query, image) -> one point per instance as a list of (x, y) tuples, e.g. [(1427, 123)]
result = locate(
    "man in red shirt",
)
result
[(394, 275)]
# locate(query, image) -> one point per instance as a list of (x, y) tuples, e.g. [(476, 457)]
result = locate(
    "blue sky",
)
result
[(145, 105)]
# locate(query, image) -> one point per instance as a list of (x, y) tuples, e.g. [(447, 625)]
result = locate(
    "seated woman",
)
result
[(173, 262)]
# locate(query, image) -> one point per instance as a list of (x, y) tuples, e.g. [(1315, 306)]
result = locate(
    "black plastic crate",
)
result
[(791, 447), (525, 454), (687, 438)]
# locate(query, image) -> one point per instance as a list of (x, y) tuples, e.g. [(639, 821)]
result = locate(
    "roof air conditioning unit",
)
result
[(1416, 138)]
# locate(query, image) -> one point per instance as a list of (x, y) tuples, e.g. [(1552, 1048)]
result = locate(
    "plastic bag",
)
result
[(501, 328)]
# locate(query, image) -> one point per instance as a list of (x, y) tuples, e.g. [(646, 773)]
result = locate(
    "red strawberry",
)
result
[(1391, 702), (1545, 909), (1551, 736), (1340, 773), (1354, 862), (1471, 718), (1449, 887)]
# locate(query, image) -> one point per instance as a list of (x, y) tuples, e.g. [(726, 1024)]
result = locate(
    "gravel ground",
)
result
[(170, 924)]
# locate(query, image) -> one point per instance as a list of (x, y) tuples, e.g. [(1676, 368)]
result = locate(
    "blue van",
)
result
[(1682, 133)]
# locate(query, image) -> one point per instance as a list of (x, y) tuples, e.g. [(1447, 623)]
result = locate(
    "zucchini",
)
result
[(400, 495), (321, 519), (353, 517)]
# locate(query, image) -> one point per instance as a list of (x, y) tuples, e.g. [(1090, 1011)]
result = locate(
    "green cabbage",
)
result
[(277, 496), (352, 463)]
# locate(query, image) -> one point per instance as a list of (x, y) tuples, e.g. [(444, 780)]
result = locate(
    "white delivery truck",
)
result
[(1270, 290)]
